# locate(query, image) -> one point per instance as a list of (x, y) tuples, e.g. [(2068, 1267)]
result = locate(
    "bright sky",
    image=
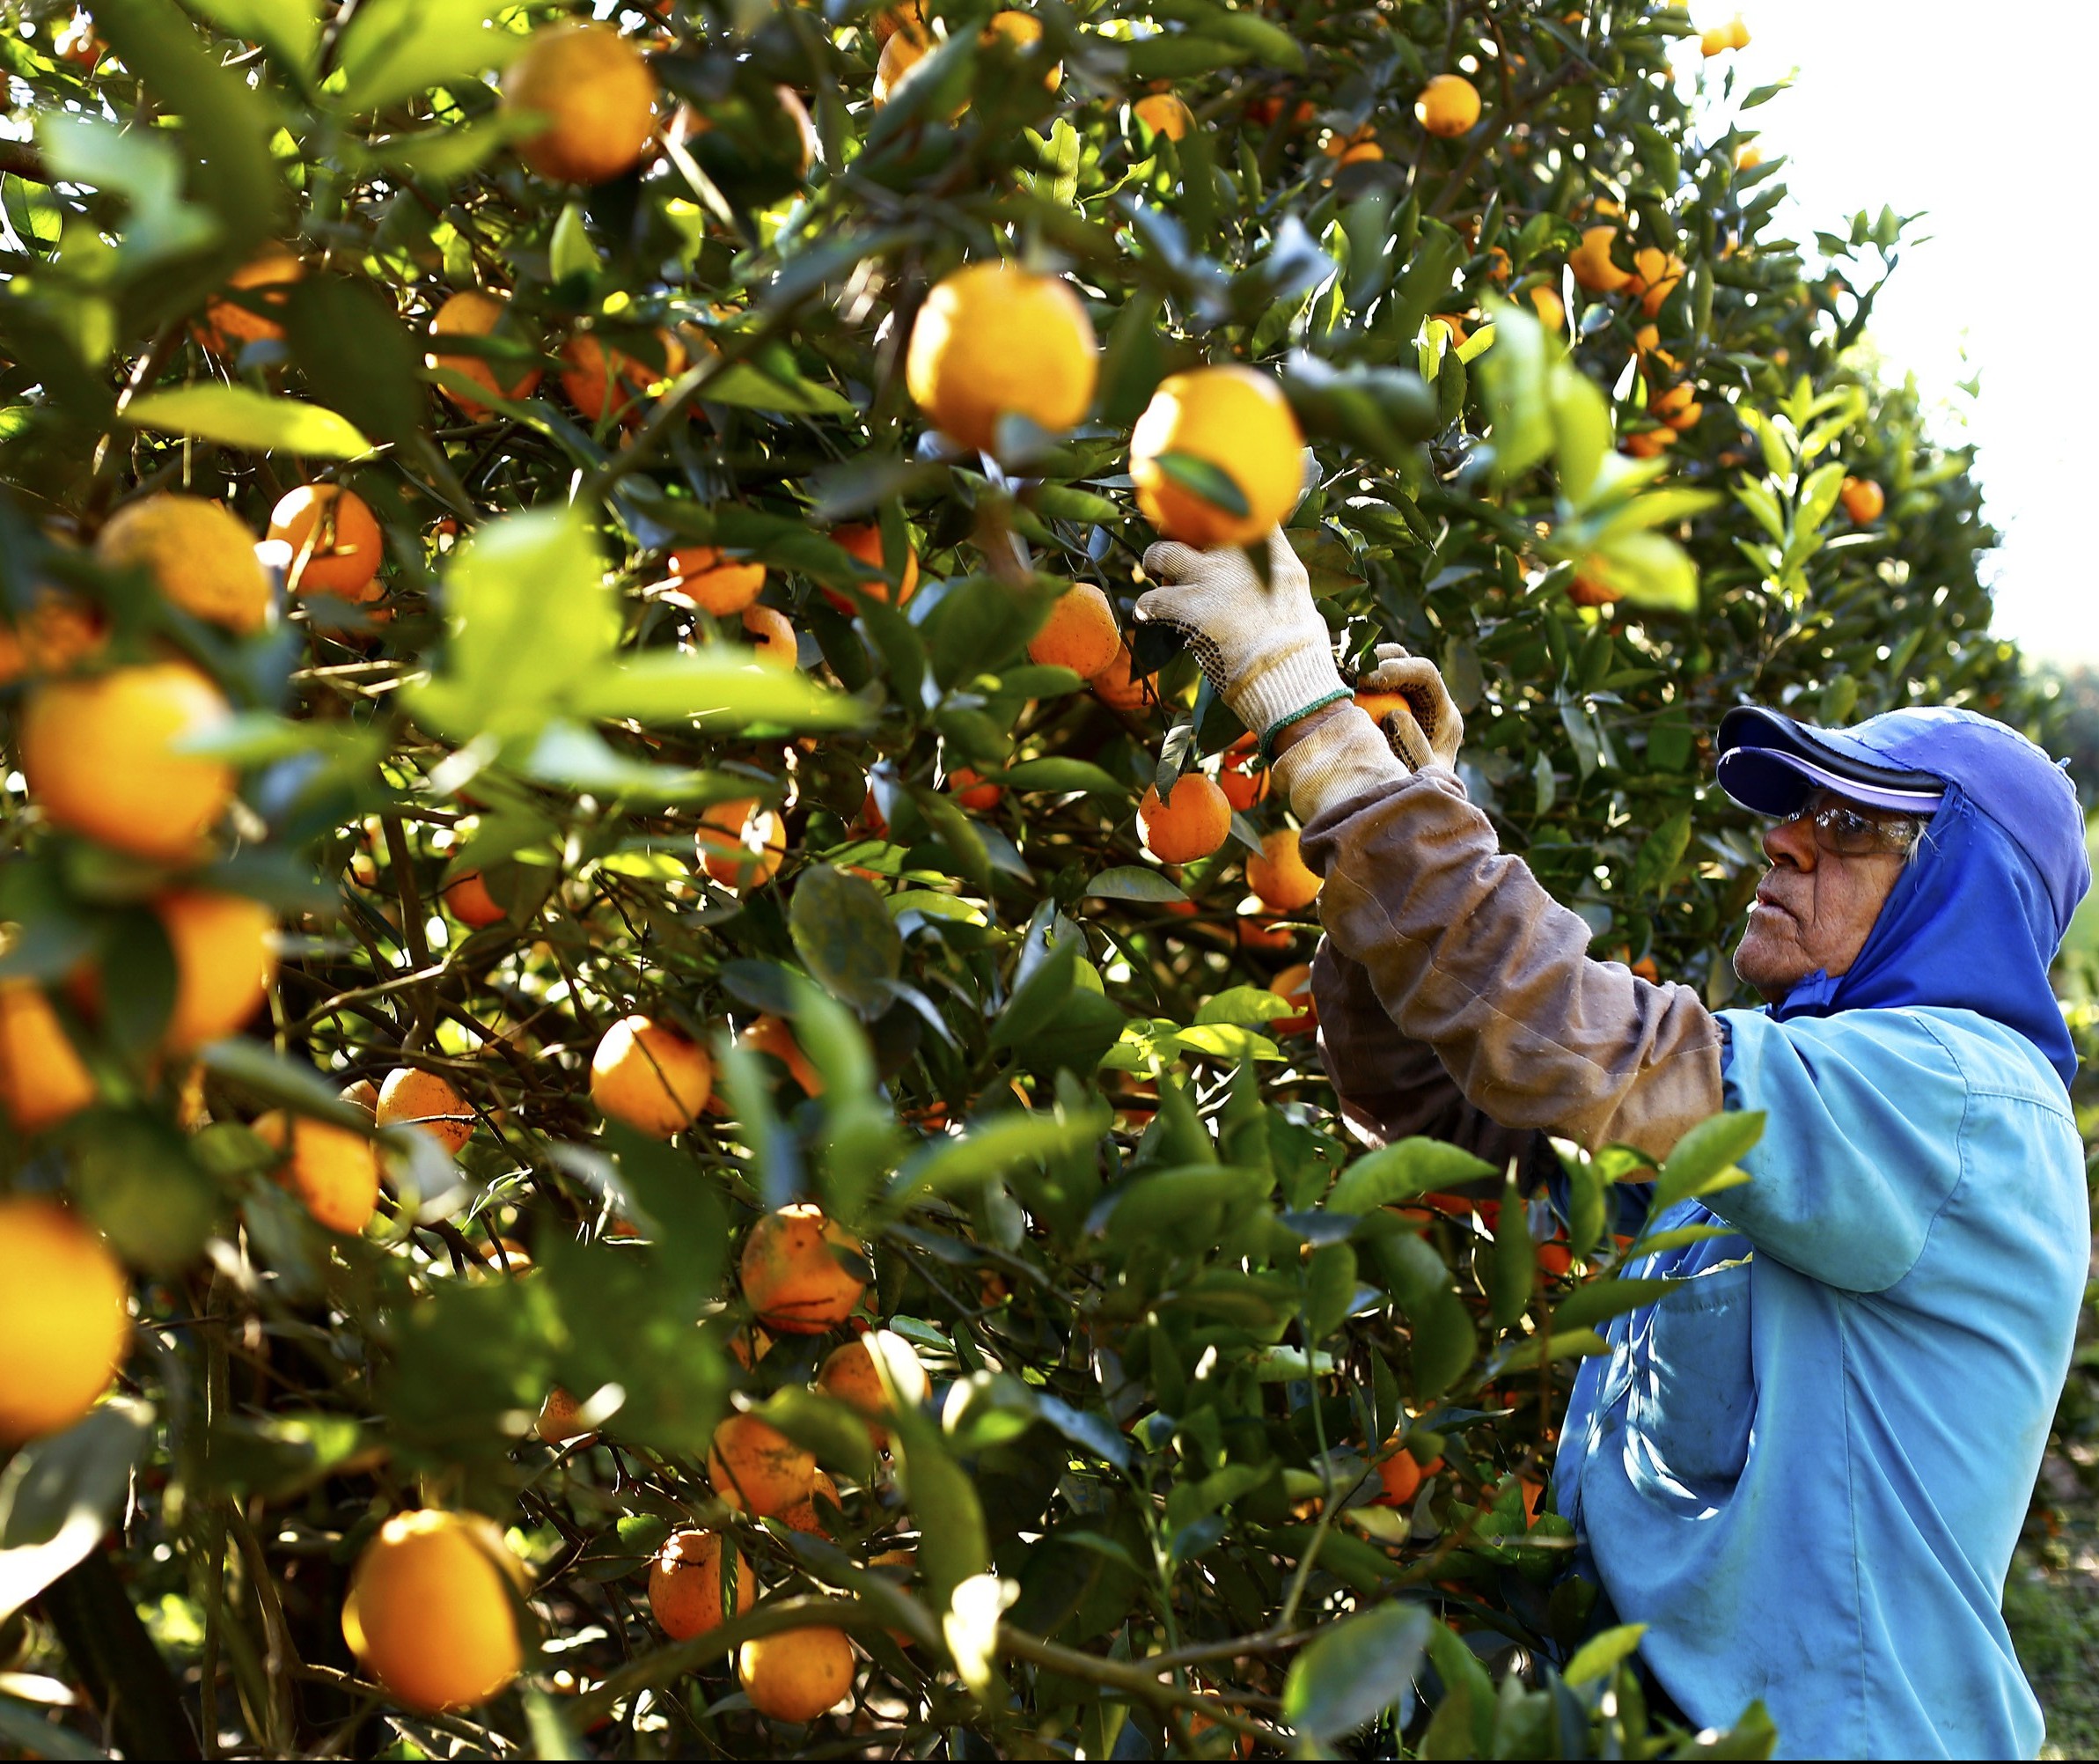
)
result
[(1973, 115)]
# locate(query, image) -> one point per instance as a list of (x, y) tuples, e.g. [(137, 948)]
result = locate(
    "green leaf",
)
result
[(1133, 882), (141, 165), (1592, 1303), (1352, 1672), (1582, 426), (1330, 1290), (714, 688), (570, 252), (990, 1148), (289, 29), (1516, 381), (1411, 1166), (392, 49), (59, 1494), (1660, 854), (1060, 775), (1705, 1158), (1206, 478), (753, 387), (1602, 1654), (239, 416), (953, 1545), (1247, 1006), (356, 354), (1650, 570), (842, 931)]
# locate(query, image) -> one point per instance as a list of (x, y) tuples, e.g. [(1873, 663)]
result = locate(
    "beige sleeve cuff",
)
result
[(1345, 756)]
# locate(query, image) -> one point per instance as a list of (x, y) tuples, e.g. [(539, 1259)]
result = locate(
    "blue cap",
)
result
[(1769, 763)]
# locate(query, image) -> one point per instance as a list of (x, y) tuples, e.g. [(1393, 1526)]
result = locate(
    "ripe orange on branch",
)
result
[(1193, 820), (1080, 633), (475, 313), (1165, 115), (1280, 875), (1448, 105), (43, 1079), (227, 326), (336, 545), (426, 1100), (62, 1314), (713, 583), (772, 635), (757, 1469), (863, 541), (685, 1584), (333, 1171), (200, 556), (432, 1610), (851, 1374), (740, 844), (225, 958), (993, 340), (1864, 501), (1590, 260), (1236, 422), (801, 1272), (598, 380), (650, 1075), (98, 755), (799, 1673), (597, 95)]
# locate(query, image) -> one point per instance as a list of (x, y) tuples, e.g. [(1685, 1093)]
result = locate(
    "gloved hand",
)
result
[(1429, 731), (1266, 650)]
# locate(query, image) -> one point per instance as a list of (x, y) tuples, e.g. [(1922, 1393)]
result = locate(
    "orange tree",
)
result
[(657, 1090)]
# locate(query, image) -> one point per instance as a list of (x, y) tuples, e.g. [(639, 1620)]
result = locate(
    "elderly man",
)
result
[(1805, 1470)]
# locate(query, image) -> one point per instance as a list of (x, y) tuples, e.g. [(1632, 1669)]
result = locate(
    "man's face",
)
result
[(1816, 906)]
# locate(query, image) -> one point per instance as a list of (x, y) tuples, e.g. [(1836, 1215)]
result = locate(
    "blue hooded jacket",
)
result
[(1806, 1469)]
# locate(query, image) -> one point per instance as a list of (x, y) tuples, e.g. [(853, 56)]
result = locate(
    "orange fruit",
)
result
[(226, 326), (473, 312), (804, 1516), (97, 754), (1402, 1478), (1656, 274), (471, 902), (712, 582), (739, 844), (1353, 149), (1590, 260), (43, 1079), (1747, 158), (685, 1584), (799, 1673), (1554, 1259), (1738, 33), (55, 632), (1457, 323), (557, 1422), (62, 1314), (1448, 105), (1080, 633), (1114, 687), (1165, 115), (598, 380), (967, 785), (1591, 590), (1293, 986), (1020, 32), (1645, 444), (432, 1610), (755, 1469), (902, 52), (908, 18), (1864, 501), (412, 1098), (801, 1273), (993, 340), (1279, 876), (1192, 821), (774, 632), (769, 1035), (598, 95), (200, 557), (363, 1095), (226, 960), (850, 1374), (650, 1075), (1498, 266), (335, 1172), (1238, 421), (1549, 308), (1242, 789), (864, 541), (336, 546)]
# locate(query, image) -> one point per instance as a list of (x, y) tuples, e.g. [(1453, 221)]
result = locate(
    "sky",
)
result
[(1972, 114)]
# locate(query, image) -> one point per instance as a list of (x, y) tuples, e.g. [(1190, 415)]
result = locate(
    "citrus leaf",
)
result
[(239, 416)]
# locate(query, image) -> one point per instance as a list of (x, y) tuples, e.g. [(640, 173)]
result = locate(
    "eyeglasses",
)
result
[(1846, 831)]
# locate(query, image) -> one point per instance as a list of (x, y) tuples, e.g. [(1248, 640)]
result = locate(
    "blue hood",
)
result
[(1977, 916)]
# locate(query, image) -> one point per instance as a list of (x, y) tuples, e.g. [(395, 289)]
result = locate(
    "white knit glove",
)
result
[(1429, 731), (1266, 650)]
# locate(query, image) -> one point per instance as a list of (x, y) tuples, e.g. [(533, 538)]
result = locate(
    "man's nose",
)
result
[(1792, 841)]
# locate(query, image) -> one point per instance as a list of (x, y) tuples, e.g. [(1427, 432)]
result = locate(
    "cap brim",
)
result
[(1771, 764)]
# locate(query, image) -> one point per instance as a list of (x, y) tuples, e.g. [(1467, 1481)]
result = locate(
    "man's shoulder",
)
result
[(1986, 1058)]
